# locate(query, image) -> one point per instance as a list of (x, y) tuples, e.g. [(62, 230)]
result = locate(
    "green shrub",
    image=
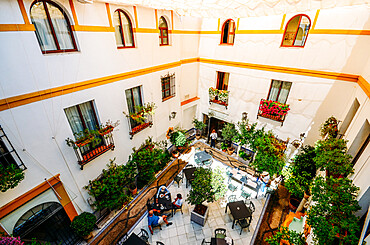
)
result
[(83, 224), (10, 177)]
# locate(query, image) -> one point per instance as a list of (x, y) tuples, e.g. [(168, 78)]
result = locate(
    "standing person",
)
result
[(265, 177), (213, 137)]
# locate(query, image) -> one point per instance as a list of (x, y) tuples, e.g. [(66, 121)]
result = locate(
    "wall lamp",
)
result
[(172, 115), (244, 116)]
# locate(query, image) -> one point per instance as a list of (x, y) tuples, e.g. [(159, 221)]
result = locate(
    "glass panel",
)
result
[(165, 41), (127, 31), (274, 90), (291, 31), (167, 93), (225, 32), (130, 103), (43, 31), (61, 27), (88, 115), (137, 96), (283, 96), (162, 22), (226, 81), (164, 32), (74, 119), (231, 30), (117, 29), (303, 28), (172, 81)]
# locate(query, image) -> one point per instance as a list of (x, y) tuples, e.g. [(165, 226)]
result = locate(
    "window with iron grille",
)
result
[(168, 86), (8, 155)]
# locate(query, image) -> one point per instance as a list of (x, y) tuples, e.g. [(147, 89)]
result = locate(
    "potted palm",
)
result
[(207, 186), (199, 127)]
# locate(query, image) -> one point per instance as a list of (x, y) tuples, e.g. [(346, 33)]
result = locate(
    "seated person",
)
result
[(155, 220), (178, 201), (265, 177), (162, 192)]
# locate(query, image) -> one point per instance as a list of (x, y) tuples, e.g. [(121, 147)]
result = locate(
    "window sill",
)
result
[(59, 51), (281, 46), (167, 98), (139, 128), (164, 45), (125, 47), (226, 44)]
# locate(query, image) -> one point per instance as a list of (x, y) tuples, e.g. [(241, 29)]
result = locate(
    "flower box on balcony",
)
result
[(89, 156), (106, 130), (140, 127), (220, 97), (273, 110), (84, 141)]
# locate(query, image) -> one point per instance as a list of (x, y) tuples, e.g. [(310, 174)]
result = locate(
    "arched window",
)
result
[(53, 29), (123, 30), (163, 31), (228, 32), (296, 31)]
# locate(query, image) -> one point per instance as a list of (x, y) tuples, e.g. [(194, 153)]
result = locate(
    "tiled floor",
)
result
[(183, 231)]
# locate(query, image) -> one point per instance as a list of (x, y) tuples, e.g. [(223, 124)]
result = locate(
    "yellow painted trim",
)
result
[(260, 32), (23, 11), (17, 27), (218, 25), (340, 32), (146, 30), (135, 15), (93, 28), (315, 20), (185, 32), (237, 25), (109, 15), (74, 15), (210, 32), (156, 18), (364, 85), (303, 72), (24, 99), (282, 22)]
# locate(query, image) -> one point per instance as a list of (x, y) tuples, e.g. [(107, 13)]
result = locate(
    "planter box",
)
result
[(246, 162), (199, 219)]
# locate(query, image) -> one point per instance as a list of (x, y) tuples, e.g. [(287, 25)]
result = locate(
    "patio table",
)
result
[(202, 158), (189, 174), (238, 210), (164, 203), (245, 179), (134, 240)]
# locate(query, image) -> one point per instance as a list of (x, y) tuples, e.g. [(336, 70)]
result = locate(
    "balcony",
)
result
[(137, 126), (273, 110), (220, 97)]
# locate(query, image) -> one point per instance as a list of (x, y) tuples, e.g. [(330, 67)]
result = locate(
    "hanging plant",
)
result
[(10, 177), (329, 128)]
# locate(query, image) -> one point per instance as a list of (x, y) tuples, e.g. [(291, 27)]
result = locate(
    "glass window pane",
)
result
[(162, 22), (291, 31), (165, 41), (60, 27), (274, 90), (127, 31), (283, 96), (117, 29), (137, 96), (164, 33), (225, 32), (130, 103), (88, 115), (303, 28), (43, 30), (74, 119)]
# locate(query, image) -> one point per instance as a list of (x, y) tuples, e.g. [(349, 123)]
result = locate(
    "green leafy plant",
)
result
[(245, 155), (141, 112), (228, 133), (10, 176), (178, 138), (198, 125), (83, 224), (293, 237), (299, 175), (7, 240), (331, 155), (329, 127), (224, 146), (207, 186), (332, 214)]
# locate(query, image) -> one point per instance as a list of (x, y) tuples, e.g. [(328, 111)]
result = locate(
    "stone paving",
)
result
[(183, 231)]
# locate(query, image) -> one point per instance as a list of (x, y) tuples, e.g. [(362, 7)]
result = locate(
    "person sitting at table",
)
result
[(162, 192), (178, 201), (265, 177), (154, 220)]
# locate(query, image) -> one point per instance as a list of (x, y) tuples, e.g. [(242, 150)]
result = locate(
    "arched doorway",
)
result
[(46, 222)]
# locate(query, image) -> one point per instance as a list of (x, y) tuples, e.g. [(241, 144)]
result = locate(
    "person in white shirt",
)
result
[(162, 192), (178, 201), (213, 137)]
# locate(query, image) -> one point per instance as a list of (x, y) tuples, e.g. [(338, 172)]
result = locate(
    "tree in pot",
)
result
[(207, 186), (332, 215), (228, 133), (83, 224), (199, 127), (299, 176)]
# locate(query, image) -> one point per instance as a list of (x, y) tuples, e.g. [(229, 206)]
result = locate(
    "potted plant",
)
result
[(329, 129), (245, 156), (107, 127), (284, 235), (133, 188), (228, 133), (224, 146), (10, 176), (83, 224), (207, 186), (177, 138), (199, 127)]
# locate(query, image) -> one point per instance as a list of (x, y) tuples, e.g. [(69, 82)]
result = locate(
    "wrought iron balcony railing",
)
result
[(137, 126)]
